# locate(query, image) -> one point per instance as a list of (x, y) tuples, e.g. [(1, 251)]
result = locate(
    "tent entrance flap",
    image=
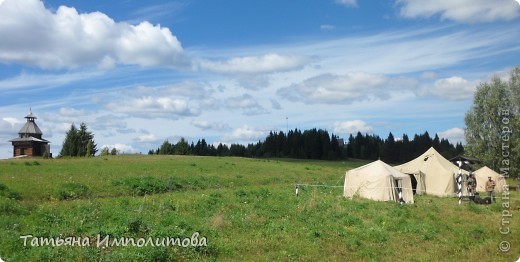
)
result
[(398, 189), (414, 183), (418, 183)]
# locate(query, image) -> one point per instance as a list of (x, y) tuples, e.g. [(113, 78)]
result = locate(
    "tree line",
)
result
[(309, 144), (392, 150), (319, 144)]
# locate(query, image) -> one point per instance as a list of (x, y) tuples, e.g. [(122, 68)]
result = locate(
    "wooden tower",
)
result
[(29, 141)]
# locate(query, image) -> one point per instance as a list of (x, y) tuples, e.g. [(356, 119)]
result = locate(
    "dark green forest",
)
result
[(319, 144)]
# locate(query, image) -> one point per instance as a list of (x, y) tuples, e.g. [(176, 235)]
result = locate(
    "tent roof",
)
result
[(430, 160), (487, 172), (377, 168)]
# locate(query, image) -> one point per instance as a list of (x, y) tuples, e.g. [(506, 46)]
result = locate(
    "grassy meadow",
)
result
[(245, 208)]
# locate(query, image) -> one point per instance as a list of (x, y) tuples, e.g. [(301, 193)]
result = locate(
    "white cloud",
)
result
[(352, 127), (12, 121), (65, 116), (246, 103), (171, 101), (33, 35), (465, 11), (125, 130), (345, 89), (121, 148), (412, 50), (186, 89), (275, 105), (268, 63), (455, 88), (252, 72), (428, 75), (454, 135), (158, 11), (147, 138), (150, 106), (253, 82), (9, 128), (327, 27), (95, 121), (352, 3), (245, 134), (72, 112), (25, 80), (207, 125), (109, 121)]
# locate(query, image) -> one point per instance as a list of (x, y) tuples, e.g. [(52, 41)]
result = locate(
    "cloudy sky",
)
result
[(139, 72)]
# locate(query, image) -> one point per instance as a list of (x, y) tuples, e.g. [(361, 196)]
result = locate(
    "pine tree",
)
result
[(436, 143), (165, 148), (89, 148), (350, 146), (69, 147), (76, 142), (389, 152), (182, 147)]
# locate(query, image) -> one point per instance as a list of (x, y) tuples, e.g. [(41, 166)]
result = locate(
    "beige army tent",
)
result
[(482, 176), (433, 174), (378, 181)]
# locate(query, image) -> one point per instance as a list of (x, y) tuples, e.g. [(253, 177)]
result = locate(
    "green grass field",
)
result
[(245, 208)]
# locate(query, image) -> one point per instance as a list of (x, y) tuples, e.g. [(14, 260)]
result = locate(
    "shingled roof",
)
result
[(30, 127), (25, 139)]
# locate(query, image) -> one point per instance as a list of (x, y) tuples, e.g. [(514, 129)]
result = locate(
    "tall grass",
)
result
[(246, 208)]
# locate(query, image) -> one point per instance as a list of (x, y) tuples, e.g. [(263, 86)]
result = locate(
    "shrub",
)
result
[(12, 207), (137, 226), (351, 220), (6, 192), (240, 193), (33, 163), (172, 185), (262, 193), (14, 195), (141, 186), (214, 199), (73, 191)]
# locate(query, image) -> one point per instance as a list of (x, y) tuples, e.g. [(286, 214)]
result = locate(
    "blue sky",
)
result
[(140, 72)]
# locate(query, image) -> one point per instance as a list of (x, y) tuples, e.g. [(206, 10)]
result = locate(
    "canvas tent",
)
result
[(378, 181), (482, 176), (433, 174)]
